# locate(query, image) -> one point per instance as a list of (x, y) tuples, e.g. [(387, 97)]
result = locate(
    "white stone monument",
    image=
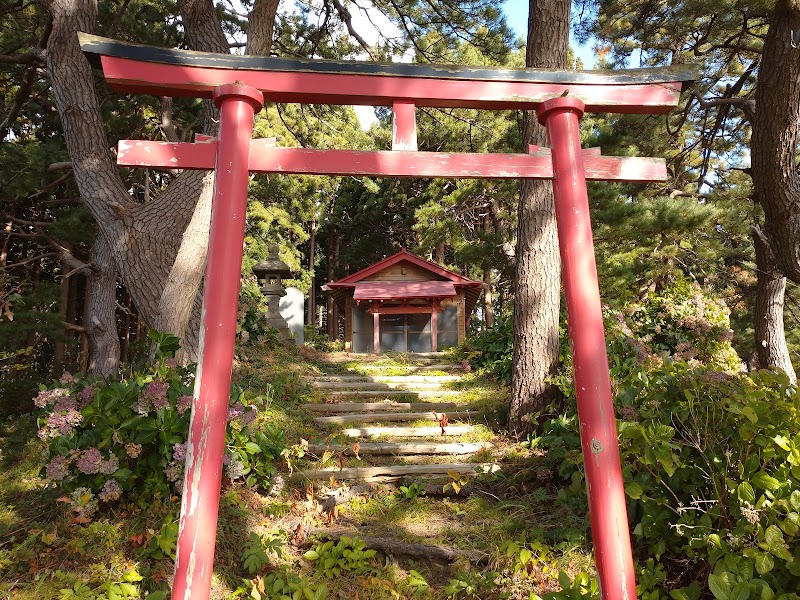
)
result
[(292, 309)]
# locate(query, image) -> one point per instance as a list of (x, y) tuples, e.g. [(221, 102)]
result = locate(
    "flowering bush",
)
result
[(129, 436), (681, 323)]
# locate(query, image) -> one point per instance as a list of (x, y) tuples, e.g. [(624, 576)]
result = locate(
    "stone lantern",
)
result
[(269, 272)]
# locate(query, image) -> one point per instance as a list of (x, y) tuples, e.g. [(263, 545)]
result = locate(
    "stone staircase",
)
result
[(382, 426)]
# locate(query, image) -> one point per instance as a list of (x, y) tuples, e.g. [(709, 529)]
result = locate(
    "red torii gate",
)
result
[(239, 86)]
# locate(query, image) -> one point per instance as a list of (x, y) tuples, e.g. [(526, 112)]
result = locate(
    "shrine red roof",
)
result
[(388, 290), (403, 255)]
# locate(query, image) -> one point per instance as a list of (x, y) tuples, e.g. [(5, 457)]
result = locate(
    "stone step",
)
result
[(450, 430), (401, 448), (365, 384), (388, 472), (380, 417), (385, 406), (386, 378), (413, 368), (392, 393)]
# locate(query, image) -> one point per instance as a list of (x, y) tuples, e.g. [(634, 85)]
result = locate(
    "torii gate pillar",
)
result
[(607, 511), (194, 561)]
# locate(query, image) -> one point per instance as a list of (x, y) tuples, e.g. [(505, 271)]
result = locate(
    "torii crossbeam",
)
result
[(239, 85)]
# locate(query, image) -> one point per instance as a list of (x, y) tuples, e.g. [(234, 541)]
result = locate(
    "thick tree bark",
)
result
[(774, 139), (770, 341), (776, 183), (100, 321), (260, 26), (159, 247), (538, 267)]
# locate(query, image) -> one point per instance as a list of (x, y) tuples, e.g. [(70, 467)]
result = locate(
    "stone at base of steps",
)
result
[(402, 448), (450, 430), (385, 473), (393, 547)]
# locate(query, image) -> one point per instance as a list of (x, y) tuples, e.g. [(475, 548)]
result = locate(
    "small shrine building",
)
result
[(404, 303)]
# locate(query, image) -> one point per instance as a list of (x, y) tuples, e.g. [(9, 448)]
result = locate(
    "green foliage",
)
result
[(409, 492), (320, 341), (711, 465), (470, 585), (415, 584), (527, 557), (109, 588), (348, 555), (491, 352), (257, 549), (164, 543), (251, 322), (581, 587), (108, 438), (285, 585), (685, 324)]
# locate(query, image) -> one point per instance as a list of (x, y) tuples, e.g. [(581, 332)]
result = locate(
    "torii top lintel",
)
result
[(170, 72)]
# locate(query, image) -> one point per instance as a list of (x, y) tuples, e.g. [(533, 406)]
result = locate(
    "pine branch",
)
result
[(31, 259), (167, 126), (747, 105), (29, 58), (118, 19), (347, 19), (20, 98), (62, 252)]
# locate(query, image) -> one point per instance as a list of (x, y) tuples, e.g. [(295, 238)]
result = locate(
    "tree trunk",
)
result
[(774, 140), (159, 247), (60, 350), (770, 341), (260, 26), (101, 302), (776, 184), (312, 259), (334, 244), (488, 306), (538, 267)]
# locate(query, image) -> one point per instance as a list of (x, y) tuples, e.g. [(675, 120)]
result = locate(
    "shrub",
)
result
[(128, 436), (319, 341), (490, 352), (711, 465)]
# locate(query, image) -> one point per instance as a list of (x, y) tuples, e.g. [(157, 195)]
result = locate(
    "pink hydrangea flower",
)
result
[(86, 395), (111, 491), (60, 423), (58, 468), (179, 453), (184, 403), (65, 403), (90, 461), (49, 397)]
